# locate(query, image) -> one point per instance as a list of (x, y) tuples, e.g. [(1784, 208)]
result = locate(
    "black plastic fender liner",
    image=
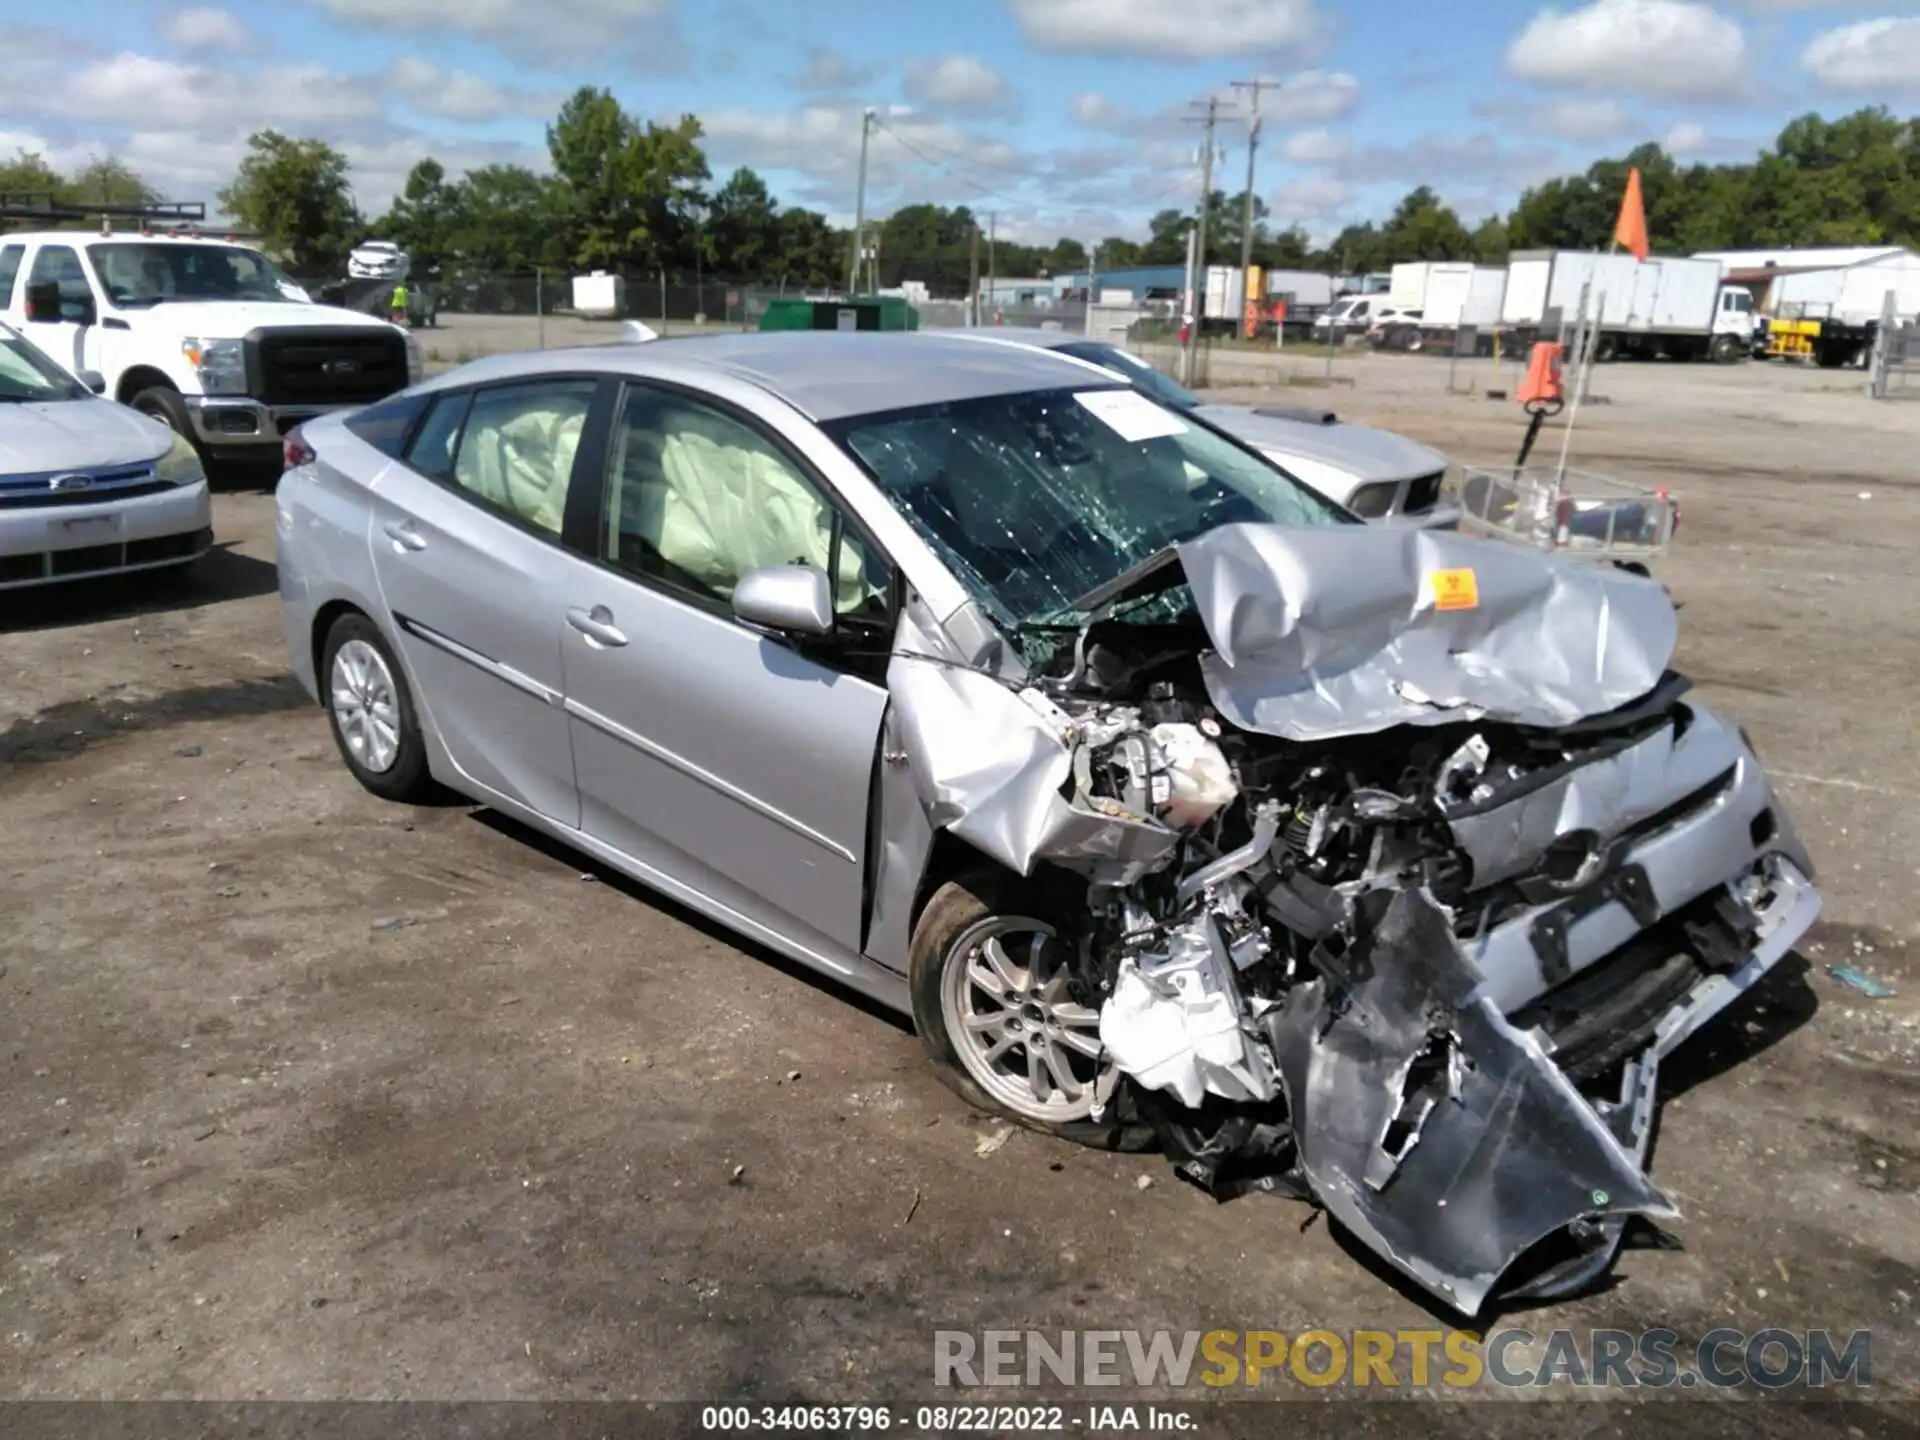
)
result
[(1489, 1151)]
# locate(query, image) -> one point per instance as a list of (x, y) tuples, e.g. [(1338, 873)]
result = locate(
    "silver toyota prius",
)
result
[(1176, 807)]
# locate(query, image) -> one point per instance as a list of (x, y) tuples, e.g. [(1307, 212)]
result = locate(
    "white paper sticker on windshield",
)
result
[(1131, 415)]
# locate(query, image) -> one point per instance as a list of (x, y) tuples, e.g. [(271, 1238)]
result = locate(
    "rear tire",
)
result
[(370, 711), (983, 952)]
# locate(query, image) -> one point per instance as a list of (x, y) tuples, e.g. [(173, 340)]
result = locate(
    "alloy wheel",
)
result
[(1017, 1030), (366, 705)]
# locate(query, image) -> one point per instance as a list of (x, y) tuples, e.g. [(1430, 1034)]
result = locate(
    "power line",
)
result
[(1019, 170), (946, 170)]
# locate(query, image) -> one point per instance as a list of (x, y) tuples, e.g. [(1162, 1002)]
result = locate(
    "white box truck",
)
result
[(1444, 296), (1832, 316), (599, 296), (1661, 306)]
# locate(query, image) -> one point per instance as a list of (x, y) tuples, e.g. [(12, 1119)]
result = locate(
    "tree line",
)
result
[(637, 197)]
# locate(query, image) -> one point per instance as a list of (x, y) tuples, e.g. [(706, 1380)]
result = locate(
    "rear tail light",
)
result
[(295, 449)]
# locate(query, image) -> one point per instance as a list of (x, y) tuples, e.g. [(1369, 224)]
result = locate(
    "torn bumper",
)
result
[(1451, 1142)]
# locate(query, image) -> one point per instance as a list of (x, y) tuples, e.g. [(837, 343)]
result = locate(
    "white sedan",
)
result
[(88, 487)]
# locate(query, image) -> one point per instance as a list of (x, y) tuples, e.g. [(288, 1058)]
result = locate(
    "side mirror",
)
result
[(792, 599), (93, 380)]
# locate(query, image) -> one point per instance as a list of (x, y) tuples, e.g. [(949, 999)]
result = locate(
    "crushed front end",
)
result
[(1390, 904)]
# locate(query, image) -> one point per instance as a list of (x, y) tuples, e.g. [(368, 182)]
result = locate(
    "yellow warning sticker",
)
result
[(1455, 590)]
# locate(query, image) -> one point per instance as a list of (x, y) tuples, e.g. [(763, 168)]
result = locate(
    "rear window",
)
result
[(385, 426)]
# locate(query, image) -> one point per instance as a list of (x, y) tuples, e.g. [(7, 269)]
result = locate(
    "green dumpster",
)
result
[(868, 312)]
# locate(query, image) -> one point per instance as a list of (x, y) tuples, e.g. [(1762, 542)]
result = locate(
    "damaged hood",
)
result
[(1319, 632)]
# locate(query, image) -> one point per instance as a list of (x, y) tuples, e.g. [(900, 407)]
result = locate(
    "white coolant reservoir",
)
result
[(1199, 781)]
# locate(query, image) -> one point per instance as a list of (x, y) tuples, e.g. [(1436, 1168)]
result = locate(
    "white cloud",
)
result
[(1450, 162), (1316, 147), (1686, 138), (1169, 29), (1309, 198), (829, 70), (1583, 119), (203, 27), (638, 30), (1874, 55), (456, 95), (1311, 97), (957, 82), (1097, 112), (143, 91), (1660, 47), (822, 142)]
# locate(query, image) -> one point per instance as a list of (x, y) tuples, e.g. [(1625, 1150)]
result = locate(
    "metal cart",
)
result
[(1572, 512)]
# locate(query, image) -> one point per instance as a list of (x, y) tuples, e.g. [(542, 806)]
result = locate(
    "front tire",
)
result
[(370, 711), (166, 404), (994, 1004)]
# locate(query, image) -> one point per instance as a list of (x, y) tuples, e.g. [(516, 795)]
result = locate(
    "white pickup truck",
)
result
[(204, 334)]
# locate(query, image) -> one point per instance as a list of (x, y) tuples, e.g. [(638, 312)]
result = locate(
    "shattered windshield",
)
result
[(1035, 499), (137, 273)]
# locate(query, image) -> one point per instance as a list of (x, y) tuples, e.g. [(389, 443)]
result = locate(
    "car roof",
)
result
[(94, 237), (825, 374)]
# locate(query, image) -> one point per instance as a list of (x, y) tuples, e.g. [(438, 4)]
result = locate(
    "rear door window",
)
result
[(10, 258), (385, 426), (517, 446), (438, 437), (60, 265)]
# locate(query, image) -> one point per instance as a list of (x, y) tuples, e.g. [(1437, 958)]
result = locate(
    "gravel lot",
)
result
[(305, 1096)]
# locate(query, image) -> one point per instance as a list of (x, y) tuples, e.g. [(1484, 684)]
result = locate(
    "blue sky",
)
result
[(1063, 116)]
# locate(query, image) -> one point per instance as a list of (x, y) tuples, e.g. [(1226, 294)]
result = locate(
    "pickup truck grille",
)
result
[(326, 367)]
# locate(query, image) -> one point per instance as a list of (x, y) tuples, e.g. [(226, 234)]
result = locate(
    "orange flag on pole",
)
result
[(1630, 230)]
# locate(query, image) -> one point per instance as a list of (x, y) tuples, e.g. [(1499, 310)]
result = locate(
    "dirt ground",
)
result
[(305, 1096)]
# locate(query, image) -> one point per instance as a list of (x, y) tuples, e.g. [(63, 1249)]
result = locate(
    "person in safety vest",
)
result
[(399, 304)]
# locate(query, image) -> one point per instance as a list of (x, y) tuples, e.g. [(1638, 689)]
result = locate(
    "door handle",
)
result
[(596, 624), (404, 536)]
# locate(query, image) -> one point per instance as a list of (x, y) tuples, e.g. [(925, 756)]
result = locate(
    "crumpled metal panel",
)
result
[(1335, 631), (994, 771), (1510, 1156), (1601, 797)]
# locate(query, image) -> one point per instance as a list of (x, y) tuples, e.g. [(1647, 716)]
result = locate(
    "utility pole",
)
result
[(973, 278), (1253, 87), (1093, 284), (860, 204), (993, 218), (1211, 120)]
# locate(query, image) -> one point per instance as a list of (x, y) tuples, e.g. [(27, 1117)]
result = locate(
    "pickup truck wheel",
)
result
[(993, 1004), (164, 403)]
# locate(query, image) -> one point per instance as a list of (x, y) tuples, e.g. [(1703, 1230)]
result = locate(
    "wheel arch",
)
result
[(324, 620), (141, 377)]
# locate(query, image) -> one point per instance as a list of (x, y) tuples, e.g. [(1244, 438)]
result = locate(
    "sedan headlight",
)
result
[(221, 365), (181, 464), (416, 362)]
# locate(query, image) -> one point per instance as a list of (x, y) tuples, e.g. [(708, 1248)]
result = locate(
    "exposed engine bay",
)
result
[(1409, 949)]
